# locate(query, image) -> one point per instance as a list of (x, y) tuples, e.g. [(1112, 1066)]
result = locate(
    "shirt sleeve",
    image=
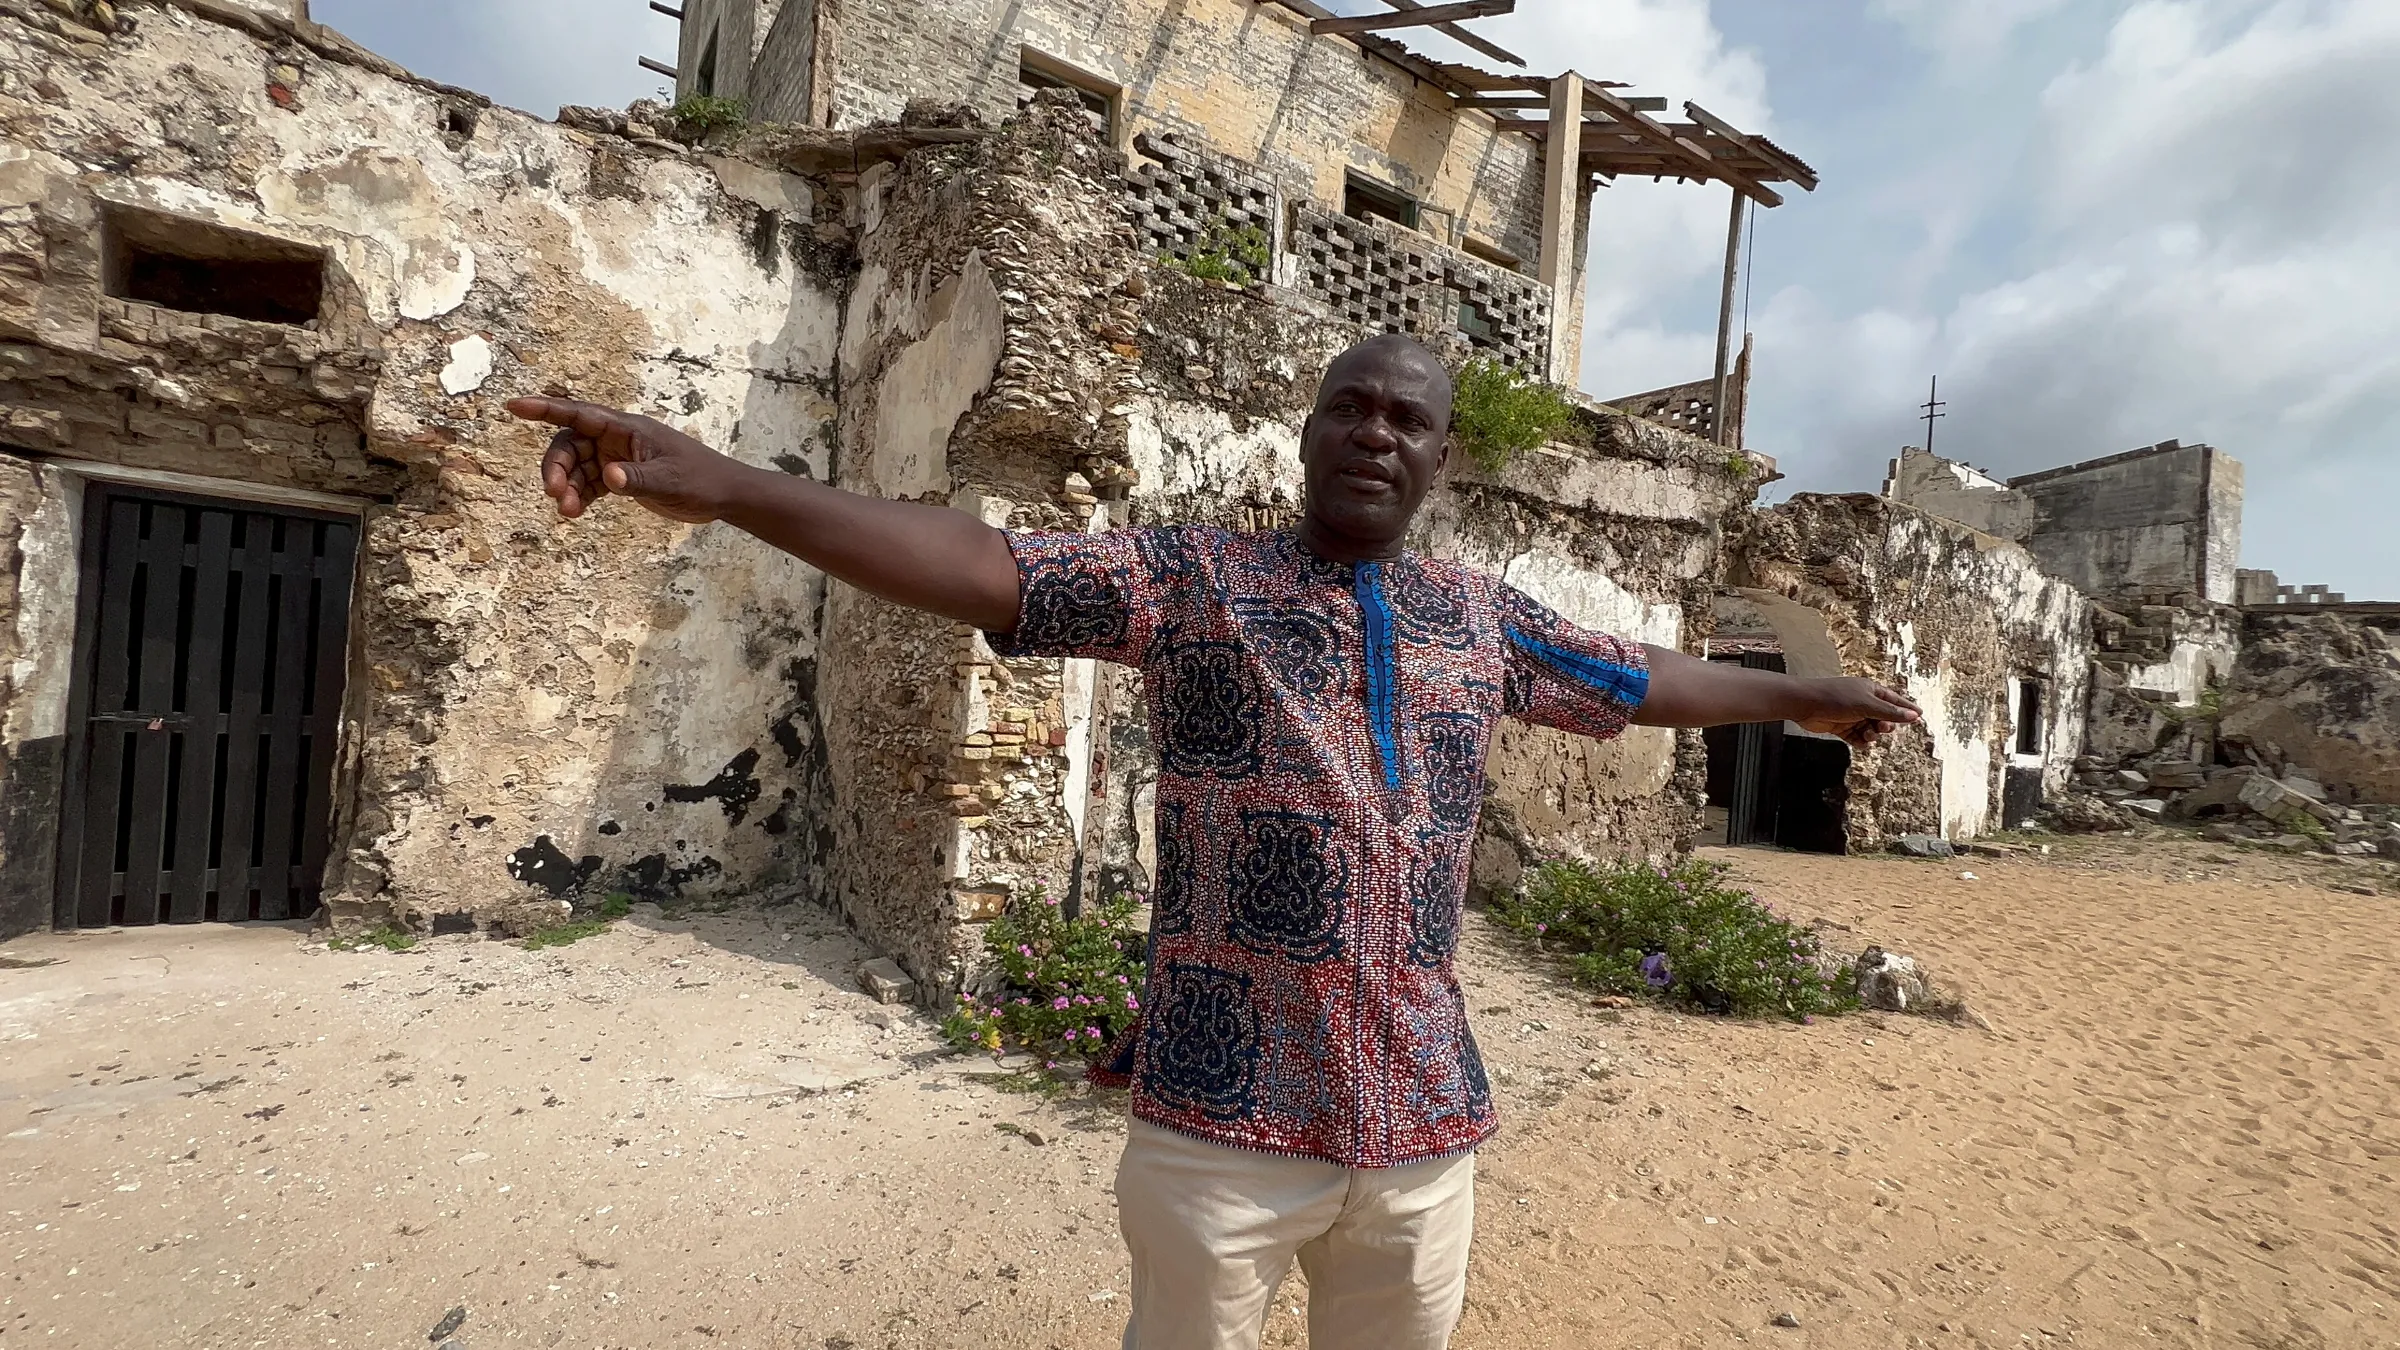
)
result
[(1097, 596), (1564, 676)]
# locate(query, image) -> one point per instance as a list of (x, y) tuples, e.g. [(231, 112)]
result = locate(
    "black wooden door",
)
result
[(209, 656), (1758, 770)]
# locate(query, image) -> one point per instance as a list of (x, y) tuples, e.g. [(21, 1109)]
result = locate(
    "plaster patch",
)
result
[(470, 365), (935, 382)]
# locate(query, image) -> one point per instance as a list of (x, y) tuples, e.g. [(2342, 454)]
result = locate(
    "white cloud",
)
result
[(1963, 30), (2212, 252)]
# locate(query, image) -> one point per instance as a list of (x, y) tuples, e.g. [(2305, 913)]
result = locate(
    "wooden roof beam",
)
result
[(1638, 123), (1463, 37), (1792, 169), (1425, 17)]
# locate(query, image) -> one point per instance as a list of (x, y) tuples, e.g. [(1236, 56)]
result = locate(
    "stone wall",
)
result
[(538, 710), (1955, 619), (2163, 518), (2318, 696)]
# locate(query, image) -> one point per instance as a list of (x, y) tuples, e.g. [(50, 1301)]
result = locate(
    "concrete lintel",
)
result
[(266, 494)]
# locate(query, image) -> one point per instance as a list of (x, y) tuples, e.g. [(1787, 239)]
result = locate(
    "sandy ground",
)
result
[(2184, 1131)]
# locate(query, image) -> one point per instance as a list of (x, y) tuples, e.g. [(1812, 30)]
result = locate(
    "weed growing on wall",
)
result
[(1073, 986), (1678, 934), (1498, 414), (704, 115), (1223, 253)]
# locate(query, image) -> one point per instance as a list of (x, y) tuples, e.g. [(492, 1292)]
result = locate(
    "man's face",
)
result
[(1376, 442)]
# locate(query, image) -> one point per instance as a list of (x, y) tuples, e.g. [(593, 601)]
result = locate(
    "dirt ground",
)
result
[(2182, 1130)]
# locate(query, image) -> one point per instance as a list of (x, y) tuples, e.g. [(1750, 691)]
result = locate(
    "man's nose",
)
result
[(1375, 432)]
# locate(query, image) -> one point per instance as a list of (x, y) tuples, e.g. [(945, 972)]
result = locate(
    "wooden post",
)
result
[(1733, 268), (1562, 199)]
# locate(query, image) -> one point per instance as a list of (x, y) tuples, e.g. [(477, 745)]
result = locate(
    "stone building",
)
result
[(285, 622), (1996, 651), (1398, 191)]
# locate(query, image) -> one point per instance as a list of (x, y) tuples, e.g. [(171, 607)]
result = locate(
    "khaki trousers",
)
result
[(1214, 1229)]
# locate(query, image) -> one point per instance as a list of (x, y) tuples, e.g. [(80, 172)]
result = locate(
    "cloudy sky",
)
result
[(2103, 223)]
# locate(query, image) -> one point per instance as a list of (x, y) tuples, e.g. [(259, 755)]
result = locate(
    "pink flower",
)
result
[(1070, 1033), (1050, 900), (1132, 1004), (1121, 979), (1092, 1033), (1060, 1004), (1541, 928), (1082, 1002), (1026, 952)]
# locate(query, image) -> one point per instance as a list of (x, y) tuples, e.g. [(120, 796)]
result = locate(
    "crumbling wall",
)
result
[(982, 365), (1246, 79), (541, 710), (2318, 696), (1952, 617)]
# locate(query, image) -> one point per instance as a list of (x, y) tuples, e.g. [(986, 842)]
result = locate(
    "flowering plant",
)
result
[(1070, 986), (1677, 933)]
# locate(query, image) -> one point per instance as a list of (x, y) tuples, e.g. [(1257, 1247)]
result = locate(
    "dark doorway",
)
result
[(1776, 788), (211, 641)]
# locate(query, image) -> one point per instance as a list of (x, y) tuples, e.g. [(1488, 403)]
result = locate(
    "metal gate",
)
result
[(210, 647)]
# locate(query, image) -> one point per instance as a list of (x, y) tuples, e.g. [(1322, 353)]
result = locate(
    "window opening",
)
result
[(2029, 715), (200, 268), (1036, 73), (1365, 199)]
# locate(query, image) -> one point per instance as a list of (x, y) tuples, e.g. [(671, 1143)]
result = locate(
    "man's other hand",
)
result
[(1858, 711), (599, 450)]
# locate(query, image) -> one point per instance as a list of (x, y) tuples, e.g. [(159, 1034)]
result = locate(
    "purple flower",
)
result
[(1070, 1033), (1050, 900), (1132, 1004), (1026, 952), (1091, 1033), (1655, 972), (1122, 980), (1808, 1019), (1541, 928), (1060, 1004)]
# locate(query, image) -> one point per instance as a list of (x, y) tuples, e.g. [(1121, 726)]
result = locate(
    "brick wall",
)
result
[(1238, 77)]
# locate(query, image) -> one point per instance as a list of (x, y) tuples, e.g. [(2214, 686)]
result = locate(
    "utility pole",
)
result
[(1933, 406)]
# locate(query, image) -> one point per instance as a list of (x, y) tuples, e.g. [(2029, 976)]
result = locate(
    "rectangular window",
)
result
[(1036, 72), (1366, 199), (179, 263), (2030, 700), (704, 81)]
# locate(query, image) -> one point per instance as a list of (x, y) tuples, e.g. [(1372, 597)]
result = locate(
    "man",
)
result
[(1304, 1083)]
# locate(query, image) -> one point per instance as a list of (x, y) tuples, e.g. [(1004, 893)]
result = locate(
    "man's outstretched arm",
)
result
[(926, 557), (1686, 691)]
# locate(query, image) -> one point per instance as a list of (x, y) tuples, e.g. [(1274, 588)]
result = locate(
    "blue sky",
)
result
[(2104, 223)]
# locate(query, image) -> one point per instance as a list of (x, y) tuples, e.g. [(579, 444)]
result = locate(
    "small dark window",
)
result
[(459, 120), (200, 268), (1476, 324), (704, 83), (1364, 199), (1099, 98), (2029, 715)]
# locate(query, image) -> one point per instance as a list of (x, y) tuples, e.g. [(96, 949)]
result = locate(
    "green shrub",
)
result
[(1498, 414), (386, 936), (565, 933), (704, 115), (1073, 986), (1680, 934), (616, 906)]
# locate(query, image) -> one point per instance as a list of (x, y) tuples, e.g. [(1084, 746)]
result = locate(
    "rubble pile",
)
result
[(2236, 802)]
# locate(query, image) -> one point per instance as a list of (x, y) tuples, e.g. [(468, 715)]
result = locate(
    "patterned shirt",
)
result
[(1321, 730)]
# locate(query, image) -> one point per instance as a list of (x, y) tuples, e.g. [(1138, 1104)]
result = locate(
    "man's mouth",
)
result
[(1366, 473)]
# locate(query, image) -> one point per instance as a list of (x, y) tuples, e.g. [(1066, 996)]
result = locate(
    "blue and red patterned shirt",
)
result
[(1321, 730)]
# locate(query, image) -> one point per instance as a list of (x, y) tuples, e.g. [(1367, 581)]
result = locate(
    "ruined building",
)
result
[(1389, 189), (287, 622)]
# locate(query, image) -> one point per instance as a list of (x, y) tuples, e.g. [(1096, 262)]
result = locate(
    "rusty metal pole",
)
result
[(1733, 268)]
